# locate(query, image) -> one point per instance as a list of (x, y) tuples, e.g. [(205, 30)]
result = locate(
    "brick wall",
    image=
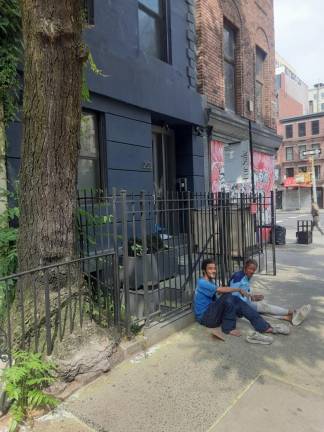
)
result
[(253, 20)]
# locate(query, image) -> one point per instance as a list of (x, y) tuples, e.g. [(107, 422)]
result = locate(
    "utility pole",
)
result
[(314, 180), (251, 157)]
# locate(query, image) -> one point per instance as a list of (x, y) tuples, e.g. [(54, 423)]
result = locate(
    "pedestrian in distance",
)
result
[(216, 306), (316, 217), (242, 280)]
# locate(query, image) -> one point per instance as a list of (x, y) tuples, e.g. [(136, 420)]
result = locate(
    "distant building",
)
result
[(291, 90), (301, 133), (316, 98)]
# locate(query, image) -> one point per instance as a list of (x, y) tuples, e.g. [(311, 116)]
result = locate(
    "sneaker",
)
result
[(280, 329), (301, 314), (259, 338)]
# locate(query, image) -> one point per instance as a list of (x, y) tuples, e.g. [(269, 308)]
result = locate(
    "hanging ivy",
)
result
[(10, 55)]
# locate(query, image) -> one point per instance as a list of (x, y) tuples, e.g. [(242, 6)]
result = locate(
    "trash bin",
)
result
[(280, 235), (304, 232)]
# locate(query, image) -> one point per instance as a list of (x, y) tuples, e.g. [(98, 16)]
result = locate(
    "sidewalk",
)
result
[(194, 383)]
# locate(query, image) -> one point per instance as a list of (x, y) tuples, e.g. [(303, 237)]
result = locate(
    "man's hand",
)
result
[(257, 297), (245, 293)]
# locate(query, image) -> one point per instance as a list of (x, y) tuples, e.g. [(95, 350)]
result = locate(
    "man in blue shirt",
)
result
[(242, 280), (215, 306)]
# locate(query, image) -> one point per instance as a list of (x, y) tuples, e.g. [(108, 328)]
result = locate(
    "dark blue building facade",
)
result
[(142, 128)]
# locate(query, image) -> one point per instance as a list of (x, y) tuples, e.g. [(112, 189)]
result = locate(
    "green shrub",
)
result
[(24, 383)]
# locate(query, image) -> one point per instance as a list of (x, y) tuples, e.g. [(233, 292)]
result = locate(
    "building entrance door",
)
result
[(164, 164)]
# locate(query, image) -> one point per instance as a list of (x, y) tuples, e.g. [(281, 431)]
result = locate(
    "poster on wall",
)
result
[(217, 166), (264, 172)]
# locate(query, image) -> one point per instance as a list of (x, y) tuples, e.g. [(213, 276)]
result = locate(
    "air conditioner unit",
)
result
[(250, 105)]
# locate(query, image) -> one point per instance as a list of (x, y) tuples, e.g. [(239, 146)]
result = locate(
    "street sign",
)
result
[(314, 152)]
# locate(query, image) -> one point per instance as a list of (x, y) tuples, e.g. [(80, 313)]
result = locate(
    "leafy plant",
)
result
[(10, 55), (24, 384), (8, 250)]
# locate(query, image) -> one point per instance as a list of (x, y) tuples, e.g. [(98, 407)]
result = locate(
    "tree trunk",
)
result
[(54, 54)]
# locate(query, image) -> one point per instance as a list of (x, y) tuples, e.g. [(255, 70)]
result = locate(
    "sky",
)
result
[(299, 27)]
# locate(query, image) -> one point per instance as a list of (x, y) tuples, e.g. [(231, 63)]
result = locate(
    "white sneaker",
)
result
[(280, 329), (301, 314), (259, 338)]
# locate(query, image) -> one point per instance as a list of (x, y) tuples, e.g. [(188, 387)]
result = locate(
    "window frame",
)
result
[(163, 19), (292, 153), (232, 62), (292, 131), (302, 129), (315, 122), (101, 158), (293, 171), (301, 148), (259, 81)]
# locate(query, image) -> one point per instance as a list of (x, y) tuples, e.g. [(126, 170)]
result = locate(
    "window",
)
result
[(316, 147), (152, 28), (229, 67), (89, 11), (301, 149), (311, 107), (259, 82), (322, 107), (301, 129), (289, 154), (317, 172), (302, 169), (322, 95), (315, 127), (289, 131), (88, 165), (290, 172)]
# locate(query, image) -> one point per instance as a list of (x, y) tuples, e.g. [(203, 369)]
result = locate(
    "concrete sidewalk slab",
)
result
[(273, 405)]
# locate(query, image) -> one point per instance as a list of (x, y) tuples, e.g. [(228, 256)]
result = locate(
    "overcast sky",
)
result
[(299, 26)]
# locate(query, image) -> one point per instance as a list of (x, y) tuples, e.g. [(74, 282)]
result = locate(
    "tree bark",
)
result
[(54, 55)]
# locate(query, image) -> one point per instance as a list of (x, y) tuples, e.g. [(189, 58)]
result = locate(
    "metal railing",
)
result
[(40, 306), (160, 243)]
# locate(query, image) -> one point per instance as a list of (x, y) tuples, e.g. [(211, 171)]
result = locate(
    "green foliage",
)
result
[(24, 384), (8, 251), (90, 64), (10, 55)]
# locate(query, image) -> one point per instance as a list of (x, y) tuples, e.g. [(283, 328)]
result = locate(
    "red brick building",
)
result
[(301, 133), (236, 70)]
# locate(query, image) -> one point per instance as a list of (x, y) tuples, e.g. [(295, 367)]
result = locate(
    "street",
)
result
[(191, 382)]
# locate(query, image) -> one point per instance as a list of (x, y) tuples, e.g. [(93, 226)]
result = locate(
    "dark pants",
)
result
[(226, 309)]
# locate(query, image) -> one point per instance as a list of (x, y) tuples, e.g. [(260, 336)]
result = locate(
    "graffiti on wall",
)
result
[(217, 166)]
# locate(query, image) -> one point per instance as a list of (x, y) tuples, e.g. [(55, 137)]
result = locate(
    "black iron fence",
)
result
[(159, 243), (40, 306)]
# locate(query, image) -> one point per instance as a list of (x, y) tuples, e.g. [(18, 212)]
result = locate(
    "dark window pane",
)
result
[(259, 63), (229, 43), (258, 100), (154, 5), (289, 172), (151, 36), (301, 129), (229, 86), (289, 131), (315, 127), (317, 172)]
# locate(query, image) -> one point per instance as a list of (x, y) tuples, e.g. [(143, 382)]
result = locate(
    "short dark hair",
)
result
[(251, 261), (205, 263)]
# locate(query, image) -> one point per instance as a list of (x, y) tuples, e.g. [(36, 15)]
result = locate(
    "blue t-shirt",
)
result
[(205, 293), (240, 280)]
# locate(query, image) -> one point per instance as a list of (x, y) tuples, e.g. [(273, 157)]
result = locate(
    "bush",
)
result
[(24, 383)]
